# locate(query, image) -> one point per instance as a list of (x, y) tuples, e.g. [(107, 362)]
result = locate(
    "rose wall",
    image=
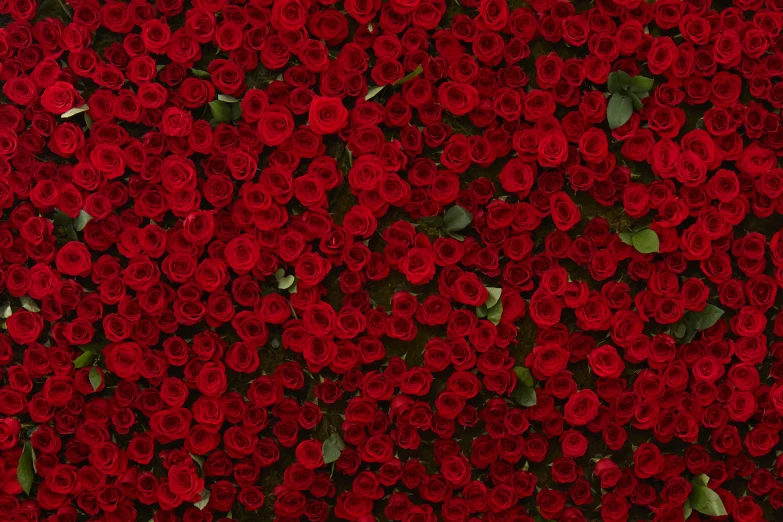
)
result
[(408, 261)]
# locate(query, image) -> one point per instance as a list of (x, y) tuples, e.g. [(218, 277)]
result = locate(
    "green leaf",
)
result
[(61, 219), (286, 282), (411, 75), (5, 311), (706, 501), (88, 121), (96, 347), (81, 221), (641, 84), (198, 73), (626, 237), (624, 79), (494, 296), (26, 470), (29, 305), (481, 311), (613, 83), (236, 111), (687, 510), (220, 111), (456, 218), (679, 330), (372, 92), (494, 314), (690, 334), (75, 111), (706, 318), (84, 360), (95, 378), (646, 241), (332, 448), (619, 110), (198, 459), (701, 480), (524, 396), (524, 375), (201, 504), (226, 98), (637, 103)]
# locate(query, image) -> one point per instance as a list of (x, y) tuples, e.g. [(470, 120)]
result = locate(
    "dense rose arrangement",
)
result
[(412, 260)]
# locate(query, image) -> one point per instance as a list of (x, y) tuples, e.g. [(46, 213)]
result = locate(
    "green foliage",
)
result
[(523, 375), (25, 472), (75, 111), (81, 221), (373, 91), (704, 500), (619, 110), (221, 112), (84, 360), (95, 378), (706, 318), (693, 322), (493, 297), (29, 304), (456, 219), (625, 96), (644, 241), (524, 396), (332, 448), (411, 75), (524, 393)]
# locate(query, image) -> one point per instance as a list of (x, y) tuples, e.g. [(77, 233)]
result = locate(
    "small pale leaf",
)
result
[(524, 395), (286, 282), (96, 379), (706, 501), (411, 75), (84, 360), (220, 111), (202, 503), (75, 111), (494, 296), (494, 314), (646, 241), (332, 448), (456, 219), (373, 91), (29, 304), (81, 220)]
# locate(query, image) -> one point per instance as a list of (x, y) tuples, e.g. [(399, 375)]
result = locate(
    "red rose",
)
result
[(185, 482), (550, 503), (170, 425), (60, 97), (327, 115), (581, 408), (648, 460), (24, 327), (458, 98)]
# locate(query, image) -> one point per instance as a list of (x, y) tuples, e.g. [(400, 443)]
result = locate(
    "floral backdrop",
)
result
[(410, 261)]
